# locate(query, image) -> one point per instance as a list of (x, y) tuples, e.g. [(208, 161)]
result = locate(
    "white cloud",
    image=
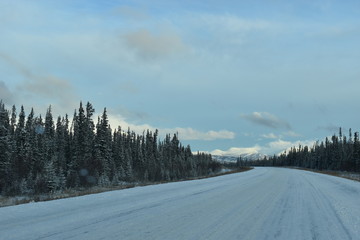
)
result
[(233, 23), (273, 147), (270, 135), (280, 144), (193, 134), (230, 29), (292, 134), (116, 120), (274, 136)]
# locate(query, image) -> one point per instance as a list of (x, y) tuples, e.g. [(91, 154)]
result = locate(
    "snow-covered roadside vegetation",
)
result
[(21, 199), (339, 156), (343, 174), (45, 159), (353, 176)]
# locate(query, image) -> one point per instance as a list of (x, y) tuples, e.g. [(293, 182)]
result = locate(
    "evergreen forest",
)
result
[(43, 155), (340, 153)]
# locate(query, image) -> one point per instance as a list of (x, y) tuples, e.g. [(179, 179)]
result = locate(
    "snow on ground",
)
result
[(354, 176), (264, 203), (225, 170)]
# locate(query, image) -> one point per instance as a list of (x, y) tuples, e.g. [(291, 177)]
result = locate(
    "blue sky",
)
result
[(230, 77)]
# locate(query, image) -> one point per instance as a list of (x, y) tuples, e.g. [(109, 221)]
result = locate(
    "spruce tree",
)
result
[(6, 171)]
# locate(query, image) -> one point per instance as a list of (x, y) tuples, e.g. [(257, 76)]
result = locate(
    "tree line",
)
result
[(340, 153), (43, 155)]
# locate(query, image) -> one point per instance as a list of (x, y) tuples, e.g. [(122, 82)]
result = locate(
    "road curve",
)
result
[(264, 203)]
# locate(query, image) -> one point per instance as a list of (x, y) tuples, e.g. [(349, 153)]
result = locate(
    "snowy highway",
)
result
[(264, 203)]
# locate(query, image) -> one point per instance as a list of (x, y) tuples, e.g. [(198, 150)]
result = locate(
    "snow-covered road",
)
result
[(264, 203)]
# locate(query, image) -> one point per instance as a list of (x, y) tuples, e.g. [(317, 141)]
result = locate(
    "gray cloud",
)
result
[(51, 88), (5, 93), (17, 65), (45, 86), (129, 87), (48, 86), (150, 46), (266, 119), (128, 114), (330, 128), (131, 13)]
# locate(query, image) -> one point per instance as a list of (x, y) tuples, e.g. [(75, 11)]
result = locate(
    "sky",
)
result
[(230, 77)]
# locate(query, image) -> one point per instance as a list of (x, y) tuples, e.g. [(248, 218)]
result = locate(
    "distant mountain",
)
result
[(245, 156)]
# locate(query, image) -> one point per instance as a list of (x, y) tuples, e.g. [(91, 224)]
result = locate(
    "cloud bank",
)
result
[(184, 133), (274, 147), (193, 134)]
